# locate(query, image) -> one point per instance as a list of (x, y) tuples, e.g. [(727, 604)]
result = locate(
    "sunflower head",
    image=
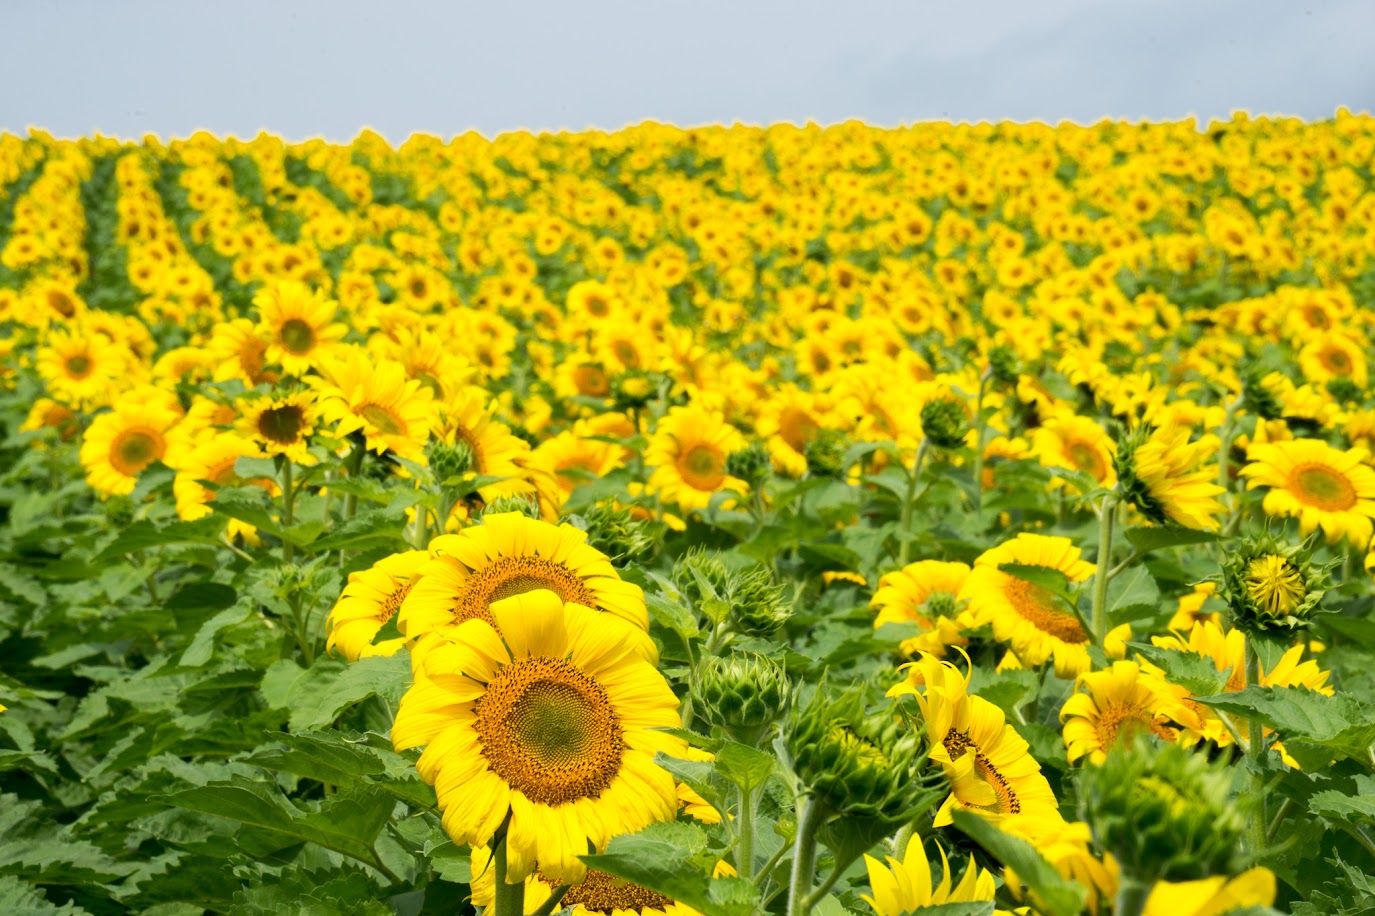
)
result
[(1135, 490), (616, 532), (751, 464), (702, 578), (825, 453), (1165, 812), (634, 389), (1273, 586), (1004, 365), (944, 423), (448, 461), (743, 694)]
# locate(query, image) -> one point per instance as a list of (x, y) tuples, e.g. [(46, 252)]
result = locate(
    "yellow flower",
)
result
[(360, 394), (904, 887), (82, 369), (1076, 443), (688, 452), (1111, 706), (551, 717), (122, 443), (1322, 486), (280, 425), (925, 593), (296, 323), (1168, 479), (371, 598), (1215, 896)]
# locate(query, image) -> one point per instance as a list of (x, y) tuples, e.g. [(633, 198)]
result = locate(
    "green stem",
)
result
[(820, 893), (1225, 450), (979, 428), (1259, 826), (510, 898), (744, 827), (903, 838), (1099, 616), (288, 508), (548, 906), (354, 465), (1279, 816), (908, 502), (810, 815), (1132, 895), (758, 497)]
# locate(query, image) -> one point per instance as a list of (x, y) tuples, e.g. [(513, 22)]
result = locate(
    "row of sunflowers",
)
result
[(955, 519)]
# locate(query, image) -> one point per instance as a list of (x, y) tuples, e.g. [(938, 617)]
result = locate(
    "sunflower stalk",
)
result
[(1259, 825), (509, 898), (1099, 615), (908, 504), (1132, 894), (548, 906), (811, 815), (744, 828), (980, 427), (288, 508)]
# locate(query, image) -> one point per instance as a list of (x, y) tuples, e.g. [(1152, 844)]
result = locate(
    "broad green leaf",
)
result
[(1339, 806), (18, 898), (144, 534), (1057, 894), (1340, 725), (1146, 540), (700, 776), (1196, 673), (966, 908), (319, 695), (1052, 580), (744, 766), (202, 647), (364, 528), (1130, 587), (1008, 690), (670, 865), (247, 504), (324, 756)]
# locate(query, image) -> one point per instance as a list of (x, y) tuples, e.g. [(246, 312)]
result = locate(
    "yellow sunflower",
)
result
[(1067, 440), (1334, 356), (575, 459), (510, 554), (212, 459), (82, 369), (788, 420), (1322, 486), (990, 767), (1037, 623), (925, 593), (237, 352), (1215, 896), (1114, 705), (905, 887), (466, 416), (1190, 610), (1170, 481), (688, 452), (394, 413), (120, 444), (371, 598), (296, 323), (597, 893), (280, 425), (552, 718)]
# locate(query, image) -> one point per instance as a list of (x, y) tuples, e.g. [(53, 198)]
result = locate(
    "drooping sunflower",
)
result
[(1067, 440), (1322, 486), (550, 714), (925, 593), (371, 598), (280, 425), (1162, 473), (120, 444), (990, 767), (1112, 706), (905, 887), (1036, 622), (393, 412), (511, 554), (297, 324), (466, 416), (688, 452)]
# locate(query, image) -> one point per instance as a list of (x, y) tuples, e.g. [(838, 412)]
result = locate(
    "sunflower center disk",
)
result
[(506, 577), (298, 338), (78, 367), (1040, 607), (383, 419), (549, 731), (601, 893), (702, 467), (1324, 488), (281, 424), (134, 452)]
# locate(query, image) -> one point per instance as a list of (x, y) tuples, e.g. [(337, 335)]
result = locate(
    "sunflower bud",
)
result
[(859, 765), (825, 454), (450, 461), (1272, 586), (119, 511), (744, 694), (944, 423), (633, 390), (751, 464), (1256, 396), (1004, 364), (525, 504), (617, 533), (700, 576), (1163, 811), (756, 602)]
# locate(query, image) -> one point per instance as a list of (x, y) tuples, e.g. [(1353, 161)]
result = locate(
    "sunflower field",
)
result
[(952, 519)]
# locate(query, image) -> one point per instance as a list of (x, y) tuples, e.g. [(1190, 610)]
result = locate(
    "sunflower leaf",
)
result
[(1055, 893), (1195, 673), (1320, 727), (669, 863), (1148, 539), (1052, 580)]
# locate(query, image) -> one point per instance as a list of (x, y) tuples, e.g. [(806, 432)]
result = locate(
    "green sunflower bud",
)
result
[(700, 576), (1257, 398), (526, 504), (1272, 586), (1344, 390), (1004, 364), (756, 602), (633, 390), (743, 694), (617, 533), (751, 464), (859, 765), (944, 424), (449, 461), (119, 511), (825, 454), (1163, 811)]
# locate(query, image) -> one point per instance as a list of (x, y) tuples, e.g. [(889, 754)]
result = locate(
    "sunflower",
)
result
[(925, 593), (688, 452), (1076, 443), (295, 321), (788, 420), (550, 715), (575, 459), (376, 398), (1213, 896), (1163, 475), (1323, 486), (371, 599), (990, 767), (466, 416), (237, 352), (281, 425), (49, 414), (212, 459), (82, 369), (1037, 623), (120, 444), (1190, 610), (1334, 356), (1115, 705), (905, 887), (597, 893), (510, 554)]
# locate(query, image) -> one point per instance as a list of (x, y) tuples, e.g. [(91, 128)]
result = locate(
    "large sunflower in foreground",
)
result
[(122, 443), (371, 598), (990, 767), (688, 452), (363, 394), (925, 593), (1322, 486), (297, 324), (1037, 623), (553, 717), (904, 887), (511, 554)]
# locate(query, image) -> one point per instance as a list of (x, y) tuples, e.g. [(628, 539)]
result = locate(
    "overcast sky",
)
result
[(331, 67)]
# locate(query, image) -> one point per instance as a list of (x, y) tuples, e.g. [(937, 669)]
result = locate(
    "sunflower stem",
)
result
[(903, 838), (1101, 578), (1132, 895), (979, 428), (510, 898), (744, 827), (908, 503), (288, 509), (1259, 824), (810, 815)]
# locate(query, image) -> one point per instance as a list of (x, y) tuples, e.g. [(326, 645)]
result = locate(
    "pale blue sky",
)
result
[(328, 68)]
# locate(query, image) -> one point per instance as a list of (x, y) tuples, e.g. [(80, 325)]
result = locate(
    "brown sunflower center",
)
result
[(384, 419), (283, 424), (1324, 487), (1086, 458), (627, 354), (549, 731), (298, 337), (591, 381), (1122, 721), (797, 427), (601, 893), (957, 744), (387, 610), (79, 366), (702, 467), (1040, 607), (1335, 361), (506, 577), (134, 450)]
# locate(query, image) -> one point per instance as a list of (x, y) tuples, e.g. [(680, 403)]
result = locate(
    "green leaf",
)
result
[(1056, 894), (700, 776), (1052, 580), (1007, 690), (143, 534), (320, 694), (20, 899), (669, 863), (1146, 540), (202, 647), (1339, 806), (364, 528), (1319, 727), (324, 756), (967, 908), (1195, 673), (744, 766), (1130, 587), (247, 504)]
